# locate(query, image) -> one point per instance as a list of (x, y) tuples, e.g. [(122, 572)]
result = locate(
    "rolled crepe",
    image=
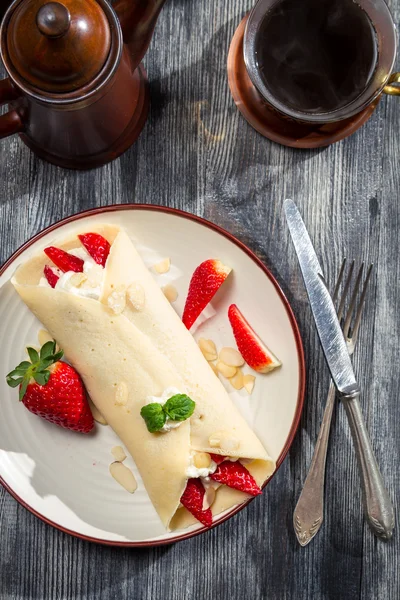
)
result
[(143, 352)]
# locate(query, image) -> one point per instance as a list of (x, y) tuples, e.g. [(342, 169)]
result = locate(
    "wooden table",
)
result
[(198, 154)]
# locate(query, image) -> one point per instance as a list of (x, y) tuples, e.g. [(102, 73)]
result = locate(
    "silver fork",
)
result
[(309, 512)]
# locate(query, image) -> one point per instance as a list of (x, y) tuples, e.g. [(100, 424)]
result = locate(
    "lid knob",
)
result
[(53, 19)]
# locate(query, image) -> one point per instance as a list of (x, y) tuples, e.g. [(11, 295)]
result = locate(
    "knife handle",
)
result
[(378, 507)]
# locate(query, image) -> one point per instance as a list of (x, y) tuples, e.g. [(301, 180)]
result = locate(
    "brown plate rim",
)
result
[(299, 345)]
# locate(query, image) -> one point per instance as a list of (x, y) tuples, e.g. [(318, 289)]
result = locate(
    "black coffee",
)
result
[(316, 55)]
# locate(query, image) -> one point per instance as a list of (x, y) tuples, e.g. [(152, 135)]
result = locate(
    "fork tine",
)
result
[(353, 300), (357, 321), (339, 281), (345, 290)]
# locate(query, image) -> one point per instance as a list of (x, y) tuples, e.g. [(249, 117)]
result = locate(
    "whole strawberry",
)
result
[(52, 389)]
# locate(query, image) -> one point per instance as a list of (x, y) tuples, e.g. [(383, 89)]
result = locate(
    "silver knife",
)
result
[(378, 507)]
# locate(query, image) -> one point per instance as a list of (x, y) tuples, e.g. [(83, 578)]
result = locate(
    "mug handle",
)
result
[(11, 122), (392, 90)]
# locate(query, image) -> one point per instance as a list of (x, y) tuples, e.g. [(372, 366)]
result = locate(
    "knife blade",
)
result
[(323, 309)]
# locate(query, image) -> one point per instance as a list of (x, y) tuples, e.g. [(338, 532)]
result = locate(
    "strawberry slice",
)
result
[(254, 351), (235, 475), (217, 458), (192, 499), (205, 282), (63, 260), (51, 276), (97, 246)]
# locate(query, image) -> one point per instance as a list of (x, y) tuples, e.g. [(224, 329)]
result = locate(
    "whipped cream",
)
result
[(91, 288), (166, 395), (203, 472)]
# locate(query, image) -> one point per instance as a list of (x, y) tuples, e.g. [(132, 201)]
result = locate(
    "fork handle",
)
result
[(309, 512), (378, 507)]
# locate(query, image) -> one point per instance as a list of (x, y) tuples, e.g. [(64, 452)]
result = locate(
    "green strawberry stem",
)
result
[(37, 368)]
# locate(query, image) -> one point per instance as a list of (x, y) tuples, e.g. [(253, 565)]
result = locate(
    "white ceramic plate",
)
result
[(63, 477)]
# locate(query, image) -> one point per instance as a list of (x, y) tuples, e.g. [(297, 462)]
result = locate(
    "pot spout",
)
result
[(138, 19)]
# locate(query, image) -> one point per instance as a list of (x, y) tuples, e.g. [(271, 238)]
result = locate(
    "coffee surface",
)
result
[(316, 55)]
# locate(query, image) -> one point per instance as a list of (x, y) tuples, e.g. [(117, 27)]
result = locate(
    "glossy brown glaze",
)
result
[(77, 92), (269, 122), (138, 19)]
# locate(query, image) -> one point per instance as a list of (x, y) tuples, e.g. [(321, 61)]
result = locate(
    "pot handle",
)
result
[(392, 90), (11, 122)]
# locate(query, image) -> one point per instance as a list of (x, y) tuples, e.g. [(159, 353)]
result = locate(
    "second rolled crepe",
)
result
[(147, 351)]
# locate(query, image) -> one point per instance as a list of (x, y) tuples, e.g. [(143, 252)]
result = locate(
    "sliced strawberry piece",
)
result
[(192, 499), (254, 351), (97, 246), (51, 276), (63, 260), (217, 458), (205, 282), (235, 475)]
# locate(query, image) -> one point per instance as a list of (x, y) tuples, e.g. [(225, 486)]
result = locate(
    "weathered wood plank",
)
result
[(197, 153)]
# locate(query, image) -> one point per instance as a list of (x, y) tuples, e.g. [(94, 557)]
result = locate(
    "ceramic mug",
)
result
[(382, 80)]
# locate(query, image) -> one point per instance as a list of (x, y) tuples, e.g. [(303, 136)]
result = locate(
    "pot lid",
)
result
[(58, 46)]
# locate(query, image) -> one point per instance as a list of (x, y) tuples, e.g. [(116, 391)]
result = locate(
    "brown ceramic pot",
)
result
[(77, 91)]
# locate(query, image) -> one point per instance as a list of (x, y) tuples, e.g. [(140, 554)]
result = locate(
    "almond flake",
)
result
[(170, 292), (231, 357), (123, 476), (117, 300), (209, 497), (229, 444), (214, 368), (207, 346), (121, 394), (136, 296), (209, 357), (118, 453), (248, 382), (163, 266), (226, 370), (77, 279), (202, 460), (215, 440), (237, 380), (97, 416)]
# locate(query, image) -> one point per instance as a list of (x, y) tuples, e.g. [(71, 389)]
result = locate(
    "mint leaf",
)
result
[(179, 407), (154, 416)]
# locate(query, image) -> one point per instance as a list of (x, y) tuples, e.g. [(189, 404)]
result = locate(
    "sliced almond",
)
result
[(117, 300), (208, 356), (229, 444), (44, 337), (77, 279), (248, 382), (118, 453), (215, 439), (231, 357), (226, 370), (214, 368), (163, 266), (97, 416), (209, 497), (170, 292), (136, 296), (207, 346), (121, 394), (202, 460), (123, 476), (237, 380)]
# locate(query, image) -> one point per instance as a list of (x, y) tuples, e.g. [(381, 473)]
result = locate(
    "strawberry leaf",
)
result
[(33, 355), (41, 377), (14, 382), (22, 389), (47, 349)]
